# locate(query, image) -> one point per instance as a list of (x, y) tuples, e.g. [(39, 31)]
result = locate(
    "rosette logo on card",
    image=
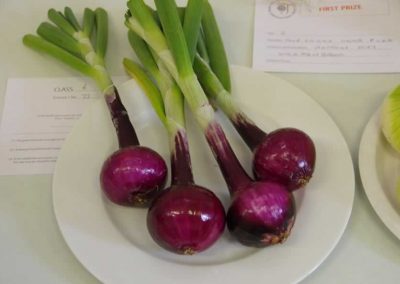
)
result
[(282, 8)]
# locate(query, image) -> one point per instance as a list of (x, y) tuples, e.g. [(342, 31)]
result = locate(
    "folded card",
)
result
[(344, 36)]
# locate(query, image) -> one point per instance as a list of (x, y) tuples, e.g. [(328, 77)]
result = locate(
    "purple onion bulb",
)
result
[(133, 175), (287, 156), (262, 214), (186, 219)]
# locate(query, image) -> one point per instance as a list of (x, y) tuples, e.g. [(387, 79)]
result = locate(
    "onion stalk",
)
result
[(185, 218), (286, 155), (213, 42), (251, 224), (133, 174)]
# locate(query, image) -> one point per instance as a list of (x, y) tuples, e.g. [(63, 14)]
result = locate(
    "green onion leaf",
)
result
[(174, 35), (41, 45), (101, 31), (147, 85), (201, 47), (59, 20), (214, 88), (59, 37), (70, 16), (215, 47), (88, 21), (142, 52), (181, 12), (170, 92), (145, 55), (192, 24)]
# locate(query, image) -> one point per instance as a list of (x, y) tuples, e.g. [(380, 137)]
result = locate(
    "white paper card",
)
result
[(38, 115), (338, 36)]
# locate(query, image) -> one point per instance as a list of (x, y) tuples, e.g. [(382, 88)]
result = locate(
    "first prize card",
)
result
[(338, 36)]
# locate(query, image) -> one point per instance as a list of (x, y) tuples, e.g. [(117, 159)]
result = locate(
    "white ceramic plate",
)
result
[(379, 169), (112, 242)]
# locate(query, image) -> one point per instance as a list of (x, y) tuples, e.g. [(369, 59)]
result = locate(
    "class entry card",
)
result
[(327, 36), (37, 117)]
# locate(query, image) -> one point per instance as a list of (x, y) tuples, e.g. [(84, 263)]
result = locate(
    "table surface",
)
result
[(32, 249)]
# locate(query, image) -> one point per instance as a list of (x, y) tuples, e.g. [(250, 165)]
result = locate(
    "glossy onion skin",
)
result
[(261, 215), (132, 176), (186, 219), (287, 156)]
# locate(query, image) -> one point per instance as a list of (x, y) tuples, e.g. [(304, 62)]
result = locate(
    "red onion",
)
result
[(262, 214), (185, 218), (132, 176), (286, 155)]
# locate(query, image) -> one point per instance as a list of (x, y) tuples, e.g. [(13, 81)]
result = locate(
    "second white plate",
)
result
[(112, 242), (380, 169)]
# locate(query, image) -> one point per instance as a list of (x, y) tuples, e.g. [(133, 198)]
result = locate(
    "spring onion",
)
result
[(133, 174), (286, 155)]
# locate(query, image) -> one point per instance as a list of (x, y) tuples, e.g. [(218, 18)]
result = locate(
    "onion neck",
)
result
[(125, 132), (250, 133), (181, 167), (235, 176)]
